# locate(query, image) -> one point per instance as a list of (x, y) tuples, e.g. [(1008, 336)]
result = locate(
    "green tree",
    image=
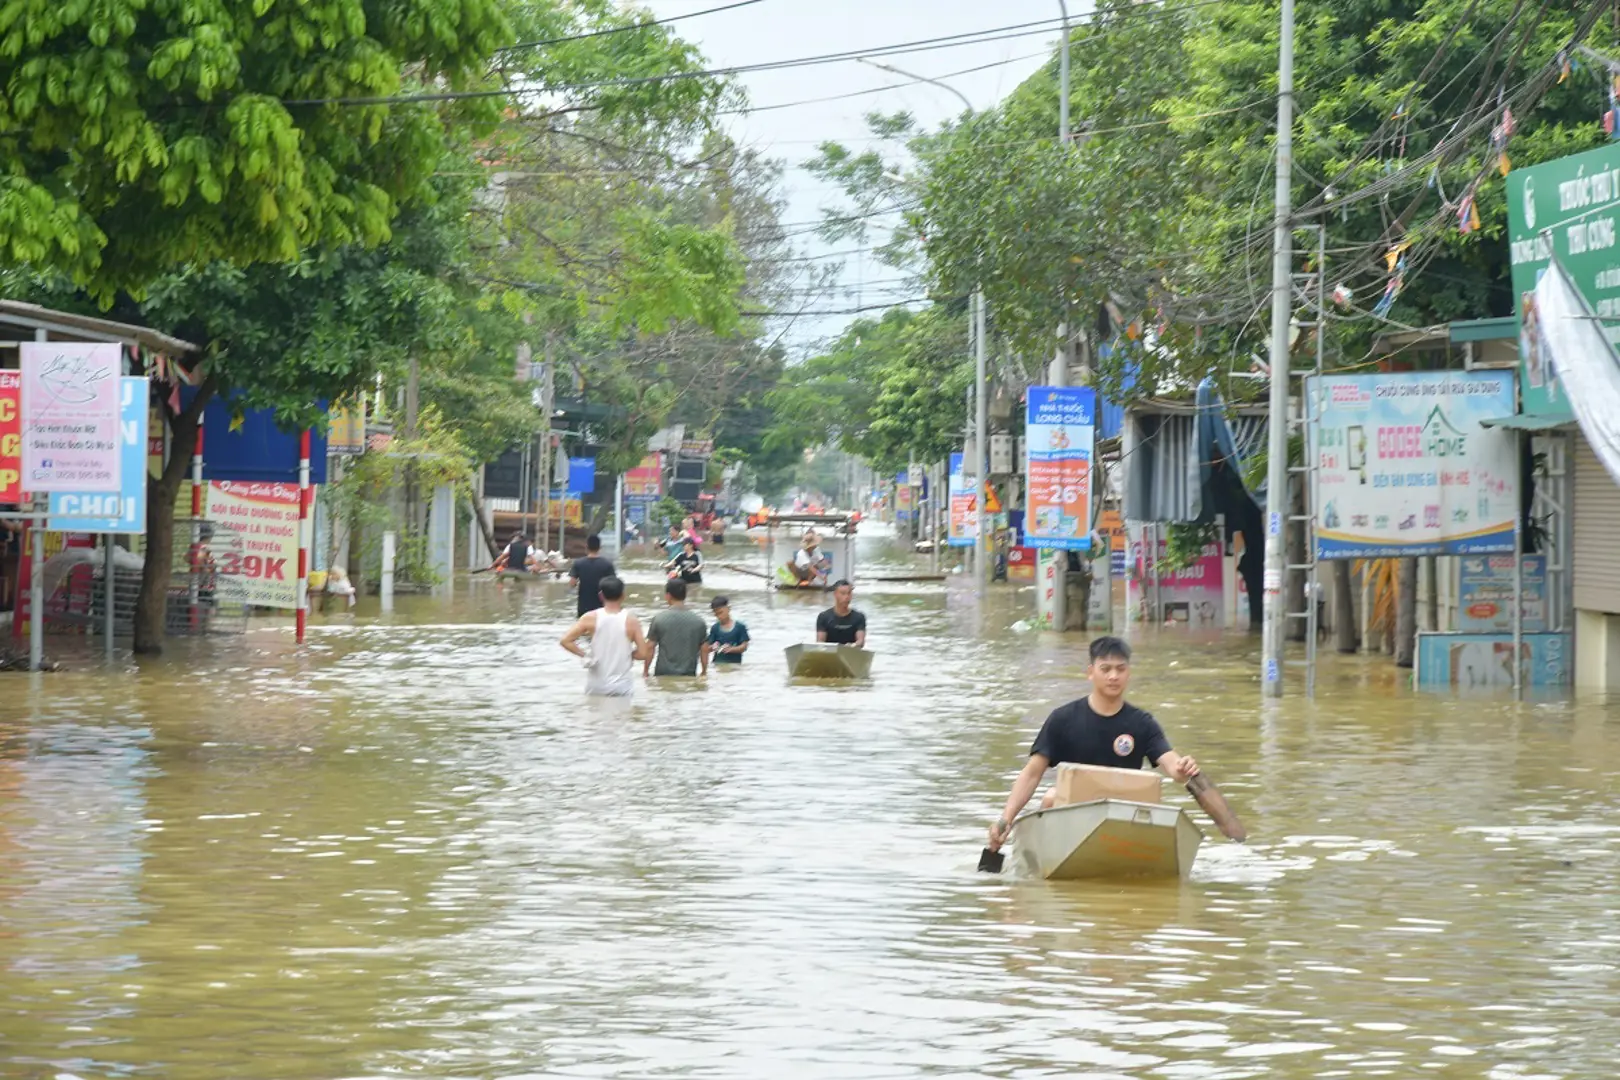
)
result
[(139, 137)]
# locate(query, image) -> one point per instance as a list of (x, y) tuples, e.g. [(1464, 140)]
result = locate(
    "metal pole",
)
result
[(981, 447), (618, 515), (1518, 586), (36, 592), (1276, 613), (385, 590), (301, 619), (109, 595)]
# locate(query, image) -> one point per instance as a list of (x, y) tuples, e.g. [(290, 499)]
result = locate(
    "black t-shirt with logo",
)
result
[(1074, 733), (840, 629), (589, 572)]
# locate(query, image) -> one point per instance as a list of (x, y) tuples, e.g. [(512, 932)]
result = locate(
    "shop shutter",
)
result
[(1597, 533)]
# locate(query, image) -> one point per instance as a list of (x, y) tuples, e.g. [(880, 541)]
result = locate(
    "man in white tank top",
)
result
[(617, 642)]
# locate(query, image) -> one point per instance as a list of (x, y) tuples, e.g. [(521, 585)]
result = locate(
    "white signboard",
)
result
[(122, 511), (1405, 467), (70, 416)]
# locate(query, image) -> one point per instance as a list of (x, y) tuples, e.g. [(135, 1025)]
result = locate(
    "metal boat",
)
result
[(1105, 838), (820, 660)]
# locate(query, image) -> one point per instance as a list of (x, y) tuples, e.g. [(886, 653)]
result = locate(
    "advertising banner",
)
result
[(1059, 426), (346, 427), (646, 478), (1404, 466), (264, 517), (124, 510), (10, 437), (70, 415), (567, 507), (1194, 595), (637, 507), (156, 436), (1485, 594), (964, 525), (1485, 661)]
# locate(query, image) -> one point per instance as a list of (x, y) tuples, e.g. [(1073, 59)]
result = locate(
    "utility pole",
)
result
[(1059, 375), (1276, 614), (981, 444), (547, 390)]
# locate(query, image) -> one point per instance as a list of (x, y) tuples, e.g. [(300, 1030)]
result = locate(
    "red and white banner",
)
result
[(10, 437)]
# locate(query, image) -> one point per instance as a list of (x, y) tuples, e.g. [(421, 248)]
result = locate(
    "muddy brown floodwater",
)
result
[(414, 849)]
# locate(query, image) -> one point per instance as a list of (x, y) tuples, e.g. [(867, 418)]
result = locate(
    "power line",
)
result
[(949, 41), (624, 29)]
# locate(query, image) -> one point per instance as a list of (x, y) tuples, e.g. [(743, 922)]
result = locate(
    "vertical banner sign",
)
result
[(1405, 467), (264, 553), (1569, 209), (124, 510), (964, 531), (70, 416), (1059, 427), (10, 437)]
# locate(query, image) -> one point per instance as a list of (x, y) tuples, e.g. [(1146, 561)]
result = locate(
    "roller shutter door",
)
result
[(1597, 533)]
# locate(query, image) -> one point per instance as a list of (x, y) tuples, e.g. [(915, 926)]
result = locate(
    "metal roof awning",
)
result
[(1532, 422), (68, 326)]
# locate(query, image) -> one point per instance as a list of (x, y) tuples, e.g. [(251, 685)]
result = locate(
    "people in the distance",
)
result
[(687, 564), (517, 556), (717, 530), (728, 638), (617, 642), (809, 566), (587, 575), (671, 541), (842, 624), (679, 635), (1101, 728)]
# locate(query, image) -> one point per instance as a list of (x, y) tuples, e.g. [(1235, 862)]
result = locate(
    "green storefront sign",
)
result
[(1569, 208)]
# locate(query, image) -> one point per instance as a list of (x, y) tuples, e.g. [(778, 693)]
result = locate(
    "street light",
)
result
[(981, 447)]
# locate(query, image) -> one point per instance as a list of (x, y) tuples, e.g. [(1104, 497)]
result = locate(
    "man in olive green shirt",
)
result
[(679, 635)]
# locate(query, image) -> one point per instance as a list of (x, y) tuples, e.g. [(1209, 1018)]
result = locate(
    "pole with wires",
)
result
[(1275, 612)]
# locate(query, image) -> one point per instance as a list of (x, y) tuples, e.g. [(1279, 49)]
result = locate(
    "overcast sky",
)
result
[(785, 29)]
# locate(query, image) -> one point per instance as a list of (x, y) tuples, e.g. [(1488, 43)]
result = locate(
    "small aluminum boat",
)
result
[(820, 660), (1105, 838)]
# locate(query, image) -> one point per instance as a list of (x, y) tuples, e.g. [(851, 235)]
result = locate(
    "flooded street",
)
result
[(414, 849)]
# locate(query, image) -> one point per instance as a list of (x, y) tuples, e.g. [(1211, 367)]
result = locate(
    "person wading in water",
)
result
[(617, 642), (1101, 728), (842, 624)]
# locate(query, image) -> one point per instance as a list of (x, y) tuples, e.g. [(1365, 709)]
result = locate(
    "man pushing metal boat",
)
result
[(1102, 815)]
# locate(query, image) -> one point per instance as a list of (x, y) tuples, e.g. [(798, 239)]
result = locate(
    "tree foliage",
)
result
[(887, 390), (139, 137), (1159, 212)]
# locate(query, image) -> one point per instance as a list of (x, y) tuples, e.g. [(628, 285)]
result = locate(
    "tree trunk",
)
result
[(483, 523), (1345, 630), (1406, 613), (151, 604)]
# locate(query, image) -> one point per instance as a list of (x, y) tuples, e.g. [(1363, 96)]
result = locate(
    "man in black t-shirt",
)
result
[(1101, 728), (842, 624), (587, 574)]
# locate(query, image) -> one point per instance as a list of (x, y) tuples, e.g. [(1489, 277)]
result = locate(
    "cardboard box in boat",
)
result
[(1084, 783)]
